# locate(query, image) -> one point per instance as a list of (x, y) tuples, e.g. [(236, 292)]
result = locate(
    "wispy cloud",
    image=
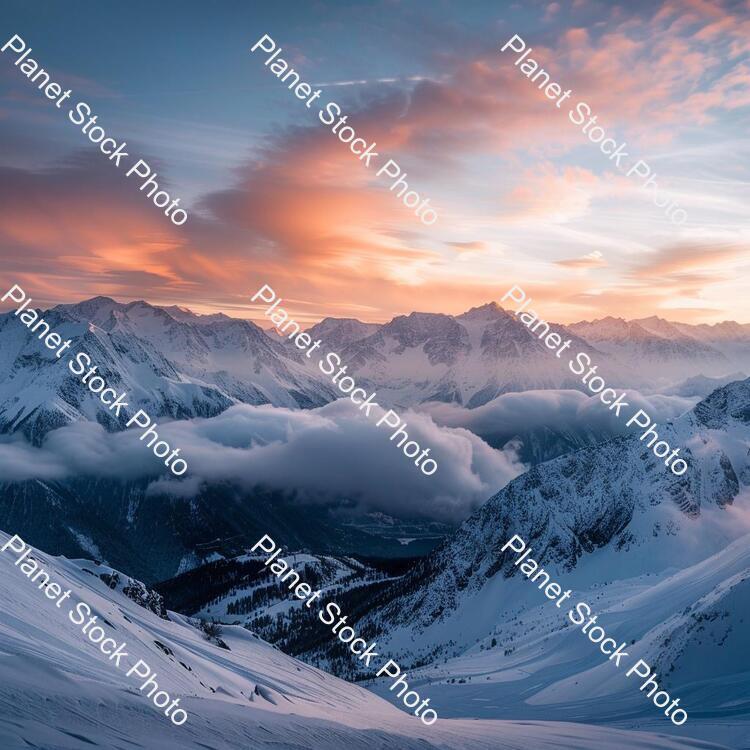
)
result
[(370, 81), (591, 260)]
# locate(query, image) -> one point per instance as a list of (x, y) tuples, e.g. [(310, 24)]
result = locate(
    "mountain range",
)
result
[(179, 365), (611, 497), (182, 366), (173, 364), (662, 559)]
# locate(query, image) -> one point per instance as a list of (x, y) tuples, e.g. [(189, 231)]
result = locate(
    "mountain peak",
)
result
[(96, 310), (330, 320), (731, 403), (177, 311), (488, 311), (93, 303), (615, 329), (339, 332), (609, 320), (186, 315), (421, 323)]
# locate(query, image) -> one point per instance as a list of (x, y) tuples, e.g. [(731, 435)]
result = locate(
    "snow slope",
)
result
[(664, 559), (57, 691), (614, 497), (688, 625)]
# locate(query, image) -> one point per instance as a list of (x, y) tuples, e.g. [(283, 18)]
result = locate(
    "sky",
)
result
[(273, 197)]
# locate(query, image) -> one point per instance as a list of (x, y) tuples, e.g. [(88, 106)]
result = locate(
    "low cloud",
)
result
[(516, 415), (330, 455), (334, 455)]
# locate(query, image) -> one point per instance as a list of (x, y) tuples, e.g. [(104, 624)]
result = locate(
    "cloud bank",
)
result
[(518, 415), (329, 455), (332, 455)]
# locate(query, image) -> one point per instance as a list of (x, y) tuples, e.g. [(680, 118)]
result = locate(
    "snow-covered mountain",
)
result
[(57, 690), (656, 346), (612, 497), (338, 332), (669, 347), (729, 337), (177, 364), (611, 524), (173, 367), (180, 365), (483, 353), (241, 591), (726, 331), (700, 385), (467, 359), (605, 519), (687, 624)]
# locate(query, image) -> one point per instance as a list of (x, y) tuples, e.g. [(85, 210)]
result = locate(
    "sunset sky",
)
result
[(273, 196)]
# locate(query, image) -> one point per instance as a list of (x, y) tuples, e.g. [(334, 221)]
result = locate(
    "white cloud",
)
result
[(327, 455), (518, 414)]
